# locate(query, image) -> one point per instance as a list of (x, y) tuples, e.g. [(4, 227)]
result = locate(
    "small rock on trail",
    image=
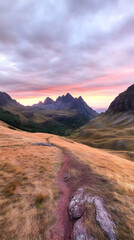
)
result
[(66, 177), (47, 144)]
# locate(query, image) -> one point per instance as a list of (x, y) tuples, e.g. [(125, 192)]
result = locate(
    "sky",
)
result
[(49, 48)]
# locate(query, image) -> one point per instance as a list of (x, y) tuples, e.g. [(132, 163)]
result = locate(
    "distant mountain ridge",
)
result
[(67, 103)]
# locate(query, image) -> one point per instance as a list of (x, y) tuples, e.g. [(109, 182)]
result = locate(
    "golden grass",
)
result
[(28, 187)]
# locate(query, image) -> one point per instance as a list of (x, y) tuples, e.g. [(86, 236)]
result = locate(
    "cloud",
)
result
[(73, 45), (79, 7)]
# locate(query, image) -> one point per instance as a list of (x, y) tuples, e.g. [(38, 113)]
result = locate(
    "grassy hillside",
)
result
[(114, 132), (30, 193), (39, 120)]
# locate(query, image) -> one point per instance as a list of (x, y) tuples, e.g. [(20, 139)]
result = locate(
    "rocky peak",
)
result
[(48, 100), (80, 98), (65, 98)]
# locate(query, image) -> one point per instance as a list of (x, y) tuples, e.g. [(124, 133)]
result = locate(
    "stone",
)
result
[(66, 177), (75, 207), (43, 144), (104, 218)]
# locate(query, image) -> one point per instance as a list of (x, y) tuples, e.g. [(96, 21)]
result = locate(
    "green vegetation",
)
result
[(9, 118), (46, 122)]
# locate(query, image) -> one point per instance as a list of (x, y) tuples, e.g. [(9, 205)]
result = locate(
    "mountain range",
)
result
[(67, 103), (60, 117), (66, 114)]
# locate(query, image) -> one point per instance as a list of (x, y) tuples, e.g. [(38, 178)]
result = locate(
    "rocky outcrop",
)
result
[(76, 212)]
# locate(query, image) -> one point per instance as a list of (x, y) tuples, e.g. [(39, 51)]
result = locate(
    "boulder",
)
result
[(75, 207)]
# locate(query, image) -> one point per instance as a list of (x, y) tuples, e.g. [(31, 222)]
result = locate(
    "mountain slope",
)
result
[(41, 180), (113, 129), (5, 99)]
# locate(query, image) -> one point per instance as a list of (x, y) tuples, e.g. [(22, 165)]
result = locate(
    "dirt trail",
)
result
[(63, 226)]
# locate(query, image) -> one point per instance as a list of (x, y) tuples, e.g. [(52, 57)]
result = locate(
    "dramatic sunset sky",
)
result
[(49, 48)]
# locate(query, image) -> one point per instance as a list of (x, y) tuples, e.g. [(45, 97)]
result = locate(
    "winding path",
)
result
[(62, 228)]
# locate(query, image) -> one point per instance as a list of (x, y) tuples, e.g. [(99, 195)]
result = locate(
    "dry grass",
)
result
[(28, 188)]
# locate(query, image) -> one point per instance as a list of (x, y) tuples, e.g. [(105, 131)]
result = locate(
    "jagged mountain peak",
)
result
[(80, 98), (48, 100), (65, 98), (69, 95)]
